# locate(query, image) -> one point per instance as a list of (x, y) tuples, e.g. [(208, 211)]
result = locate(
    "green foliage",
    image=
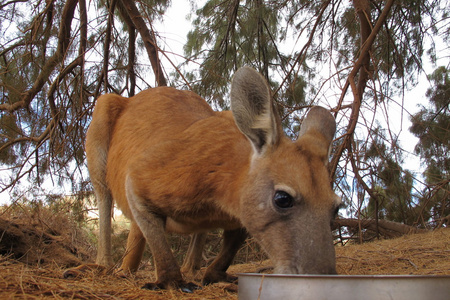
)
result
[(400, 44), (392, 186), (244, 33), (432, 126)]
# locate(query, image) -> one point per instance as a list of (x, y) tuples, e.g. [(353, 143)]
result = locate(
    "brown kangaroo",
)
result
[(172, 164)]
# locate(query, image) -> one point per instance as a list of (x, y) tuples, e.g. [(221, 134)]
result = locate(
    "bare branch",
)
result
[(390, 228), (358, 90), (301, 56), (148, 38), (11, 2)]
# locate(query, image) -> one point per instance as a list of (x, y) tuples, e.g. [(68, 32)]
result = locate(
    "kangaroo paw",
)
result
[(186, 287), (213, 277)]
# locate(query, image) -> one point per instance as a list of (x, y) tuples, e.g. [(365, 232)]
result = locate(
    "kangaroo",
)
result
[(172, 164)]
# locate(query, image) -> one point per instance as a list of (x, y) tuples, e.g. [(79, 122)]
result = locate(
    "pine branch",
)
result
[(131, 48), (34, 139), (108, 43), (50, 65), (302, 55)]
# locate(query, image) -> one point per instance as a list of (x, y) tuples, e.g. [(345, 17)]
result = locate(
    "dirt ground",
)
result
[(426, 254)]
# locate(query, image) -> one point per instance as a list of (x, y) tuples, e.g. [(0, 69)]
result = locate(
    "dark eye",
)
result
[(283, 200), (336, 210)]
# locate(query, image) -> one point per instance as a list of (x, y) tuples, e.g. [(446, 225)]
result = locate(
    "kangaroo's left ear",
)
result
[(252, 107), (320, 126)]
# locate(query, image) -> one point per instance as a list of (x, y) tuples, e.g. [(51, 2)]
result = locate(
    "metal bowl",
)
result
[(409, 287)]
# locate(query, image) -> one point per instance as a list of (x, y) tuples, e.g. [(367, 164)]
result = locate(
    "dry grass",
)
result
[(413, 254), (37, 245), (417, 254), (21, 281)]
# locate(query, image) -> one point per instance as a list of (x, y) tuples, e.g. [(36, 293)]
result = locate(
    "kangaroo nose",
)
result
[(326, 271)]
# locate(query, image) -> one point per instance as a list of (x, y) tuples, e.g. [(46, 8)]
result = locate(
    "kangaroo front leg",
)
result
[(135, 249), (192, 261), (232, 241), (167, 270), (152, 226)]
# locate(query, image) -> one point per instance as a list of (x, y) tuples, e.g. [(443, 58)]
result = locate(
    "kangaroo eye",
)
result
[(283, 200), (336, 210)]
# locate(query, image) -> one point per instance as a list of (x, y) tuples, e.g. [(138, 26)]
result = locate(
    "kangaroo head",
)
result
[(286, 202)]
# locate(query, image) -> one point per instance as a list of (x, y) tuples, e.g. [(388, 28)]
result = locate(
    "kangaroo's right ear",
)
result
[(251, 104)]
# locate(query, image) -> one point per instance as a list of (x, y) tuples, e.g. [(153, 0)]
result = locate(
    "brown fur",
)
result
[(173, 164)]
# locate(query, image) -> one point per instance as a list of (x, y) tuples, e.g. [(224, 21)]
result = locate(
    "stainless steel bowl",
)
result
[(347, 287)]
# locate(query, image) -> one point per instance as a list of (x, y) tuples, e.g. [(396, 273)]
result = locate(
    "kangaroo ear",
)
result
[(320, 125), (251, 104)]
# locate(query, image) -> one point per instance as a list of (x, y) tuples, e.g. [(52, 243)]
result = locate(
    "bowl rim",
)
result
[(338, 277)]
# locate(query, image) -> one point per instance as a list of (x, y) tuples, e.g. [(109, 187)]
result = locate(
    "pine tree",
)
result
[(432, 126)]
